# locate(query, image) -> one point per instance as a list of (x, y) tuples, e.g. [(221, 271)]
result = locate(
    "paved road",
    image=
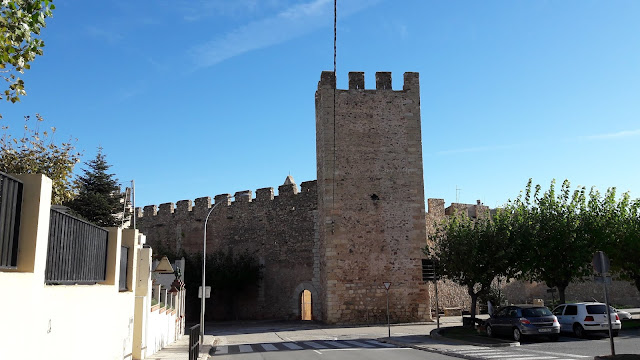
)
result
[(340, 349), (566, 348), (310, 341)]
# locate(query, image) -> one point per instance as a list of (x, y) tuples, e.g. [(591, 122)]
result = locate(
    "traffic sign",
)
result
[(600, 262), (387, 285), (207, 292)]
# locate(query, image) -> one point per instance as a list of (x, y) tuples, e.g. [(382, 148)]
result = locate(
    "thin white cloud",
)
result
[(111, 37), (476, 149), (291, 23), (616, 135)]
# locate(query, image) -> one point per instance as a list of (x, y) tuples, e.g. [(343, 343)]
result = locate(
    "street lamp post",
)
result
[(204, 259)]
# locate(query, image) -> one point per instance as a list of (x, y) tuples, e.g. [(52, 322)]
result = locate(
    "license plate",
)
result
[(544, 330)]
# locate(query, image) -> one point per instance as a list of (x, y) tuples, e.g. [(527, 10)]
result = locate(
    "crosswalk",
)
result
[(490, 353), (302, 345)]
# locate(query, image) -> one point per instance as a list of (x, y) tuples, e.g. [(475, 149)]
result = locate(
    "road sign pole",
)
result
[(606, 300), (387, 285), (435, 283)]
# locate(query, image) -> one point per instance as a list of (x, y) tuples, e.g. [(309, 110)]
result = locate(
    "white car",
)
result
[(623, 315), (587, 317)]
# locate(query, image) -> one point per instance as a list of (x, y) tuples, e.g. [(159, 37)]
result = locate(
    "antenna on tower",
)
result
[(458, 194)]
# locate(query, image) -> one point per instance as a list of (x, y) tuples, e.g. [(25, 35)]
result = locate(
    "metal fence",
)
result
[(10, 208), (77, 252), (194, 342)]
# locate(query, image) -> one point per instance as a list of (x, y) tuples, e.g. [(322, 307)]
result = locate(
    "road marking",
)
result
[(378, 343), (292, 346), (504, 356), (533, 358), (314, 345), (269, 347), (222, 350), (359, 344), (553, 353), (245, 348), (318, 352), (337, 344)]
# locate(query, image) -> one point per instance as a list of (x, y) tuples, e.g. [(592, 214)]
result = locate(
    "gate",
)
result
[(194, 342)]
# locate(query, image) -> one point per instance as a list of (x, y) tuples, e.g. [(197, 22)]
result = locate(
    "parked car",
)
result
[(623, 315), (583, 318), (520, 321)]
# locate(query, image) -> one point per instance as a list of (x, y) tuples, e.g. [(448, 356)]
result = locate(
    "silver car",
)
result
[(520, 321)]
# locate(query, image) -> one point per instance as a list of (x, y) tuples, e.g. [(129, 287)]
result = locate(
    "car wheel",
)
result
[(490, 331), (554, 337), (517, 335), (615, 332), (578, 331)]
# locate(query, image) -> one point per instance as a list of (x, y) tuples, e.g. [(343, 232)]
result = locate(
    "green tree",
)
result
[(550, 234), (471, 252), (99, 199), (20, 24), (614, 223), (37, 153)]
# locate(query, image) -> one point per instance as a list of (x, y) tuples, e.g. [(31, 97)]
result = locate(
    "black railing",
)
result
[(194, 342), (77, 252), (10, 208)]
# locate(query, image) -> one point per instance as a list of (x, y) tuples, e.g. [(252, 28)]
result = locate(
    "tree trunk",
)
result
[(474, 300), (561, 290)]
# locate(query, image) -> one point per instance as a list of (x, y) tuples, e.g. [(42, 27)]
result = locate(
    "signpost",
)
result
[(601, 266), (387, 285), (207, 292)]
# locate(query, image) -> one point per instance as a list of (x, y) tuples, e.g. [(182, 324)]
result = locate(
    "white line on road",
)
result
[(269, 347), (318, 352), (292, 346), (504, 356), (534, 358), (359, 344), (337, 344), (553, 353), (378, 343), (222, 350), (314, 345)]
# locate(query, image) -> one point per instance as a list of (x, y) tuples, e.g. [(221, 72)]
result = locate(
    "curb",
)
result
[(435, 334)]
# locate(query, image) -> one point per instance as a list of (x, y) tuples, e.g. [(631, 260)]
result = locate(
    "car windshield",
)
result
[(536, 312), (596, 309)]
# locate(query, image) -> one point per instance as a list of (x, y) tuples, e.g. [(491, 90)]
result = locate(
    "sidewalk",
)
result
[(179, 350)]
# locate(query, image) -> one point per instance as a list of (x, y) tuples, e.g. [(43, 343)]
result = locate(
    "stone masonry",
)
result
[(370, 199), (361, 224)]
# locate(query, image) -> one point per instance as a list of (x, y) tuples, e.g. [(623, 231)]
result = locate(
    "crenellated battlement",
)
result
[(383, 81), (289, 190)]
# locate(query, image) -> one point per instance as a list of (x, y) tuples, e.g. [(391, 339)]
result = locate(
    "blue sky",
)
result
[(195, 98)]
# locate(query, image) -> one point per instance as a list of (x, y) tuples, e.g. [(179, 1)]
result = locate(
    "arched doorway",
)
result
[(305, 305)]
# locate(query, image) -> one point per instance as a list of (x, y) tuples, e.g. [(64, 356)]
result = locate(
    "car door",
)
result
[(558, 313), (569, 317), (498, 321)]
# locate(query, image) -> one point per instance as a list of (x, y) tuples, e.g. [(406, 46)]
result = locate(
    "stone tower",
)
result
[(371, 213)]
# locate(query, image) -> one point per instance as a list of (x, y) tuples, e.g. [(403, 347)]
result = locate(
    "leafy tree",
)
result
[(615, 224), (37, 153), (20, 23), (99, 199), (472, 253), (550, 234)]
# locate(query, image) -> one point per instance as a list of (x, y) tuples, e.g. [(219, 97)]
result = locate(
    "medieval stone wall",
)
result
[(280, 230), (371, 199)]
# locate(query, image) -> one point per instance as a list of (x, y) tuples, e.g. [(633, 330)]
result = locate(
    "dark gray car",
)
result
[(520, 321)]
